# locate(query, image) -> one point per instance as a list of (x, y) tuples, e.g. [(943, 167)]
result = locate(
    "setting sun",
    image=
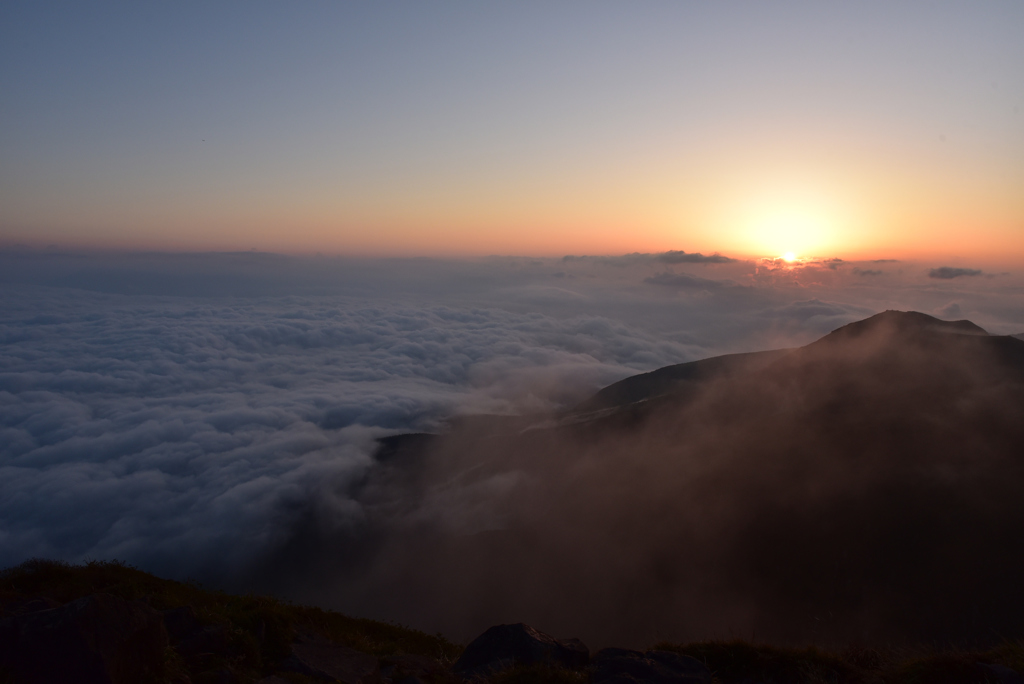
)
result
[(775, 210), (792, 225)]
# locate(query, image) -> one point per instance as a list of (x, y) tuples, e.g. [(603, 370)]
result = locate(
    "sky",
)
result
[(858, 131), (240, 242)]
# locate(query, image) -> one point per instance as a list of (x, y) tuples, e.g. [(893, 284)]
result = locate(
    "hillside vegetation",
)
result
[(260, 631)]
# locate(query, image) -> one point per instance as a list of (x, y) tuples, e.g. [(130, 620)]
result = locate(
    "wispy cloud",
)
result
[(949, 272)]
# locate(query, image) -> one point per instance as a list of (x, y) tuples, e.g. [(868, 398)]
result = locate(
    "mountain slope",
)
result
[(679, 379), (864, 487)]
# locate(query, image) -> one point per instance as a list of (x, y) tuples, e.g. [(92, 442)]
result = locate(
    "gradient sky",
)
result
[(869, 130)]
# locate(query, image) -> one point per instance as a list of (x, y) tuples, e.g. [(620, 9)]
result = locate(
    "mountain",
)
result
[(676, 380), (108, 622), (865, 487), (883, 333)]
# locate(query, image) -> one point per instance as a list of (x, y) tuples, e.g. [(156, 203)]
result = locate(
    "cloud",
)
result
[(188, 412), (680, 257), (683, 280), (669, 257), (182, 434), (624, 260), (867, 271), (949, 272), (952, 310)]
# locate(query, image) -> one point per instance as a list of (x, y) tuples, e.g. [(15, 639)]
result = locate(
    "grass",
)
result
[(539, 674), (740, 661), (260, 630)]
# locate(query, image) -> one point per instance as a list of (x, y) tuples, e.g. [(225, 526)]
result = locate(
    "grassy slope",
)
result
[(261, 629)]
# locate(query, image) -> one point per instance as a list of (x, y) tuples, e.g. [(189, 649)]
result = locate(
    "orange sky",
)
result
[(870, 131)]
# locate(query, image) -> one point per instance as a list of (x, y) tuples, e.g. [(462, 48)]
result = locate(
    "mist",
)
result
[(217, 416), (839, 494)]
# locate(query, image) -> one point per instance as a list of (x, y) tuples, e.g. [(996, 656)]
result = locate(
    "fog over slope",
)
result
[(861, 488), (215, 416)]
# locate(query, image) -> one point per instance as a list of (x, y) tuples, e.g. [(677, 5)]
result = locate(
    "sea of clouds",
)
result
[(181, 411)]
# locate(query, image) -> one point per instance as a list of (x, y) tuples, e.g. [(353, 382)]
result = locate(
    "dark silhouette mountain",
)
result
[(680, 379), (894, 329), (866, 487)]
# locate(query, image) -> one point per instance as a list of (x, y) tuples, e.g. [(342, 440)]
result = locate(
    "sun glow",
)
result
[(790, 216), (782, 229)]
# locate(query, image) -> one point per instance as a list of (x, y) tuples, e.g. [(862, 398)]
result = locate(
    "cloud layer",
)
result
[(178, 434), (183, 412)]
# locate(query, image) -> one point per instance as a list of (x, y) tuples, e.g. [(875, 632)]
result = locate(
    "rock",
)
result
[(181, 623), (273, 679), (623, 666), (398, 668), (98, 639), (221, 675), (1002, 674), (322, 659), (30, 605), (210, 639), (503, 646)]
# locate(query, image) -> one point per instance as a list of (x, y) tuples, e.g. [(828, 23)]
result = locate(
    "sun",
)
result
[(789, 217)]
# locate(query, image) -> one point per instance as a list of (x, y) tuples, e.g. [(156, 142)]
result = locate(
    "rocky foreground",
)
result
[(110, 623)]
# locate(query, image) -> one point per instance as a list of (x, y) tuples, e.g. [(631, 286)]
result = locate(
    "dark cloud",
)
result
[(867, 271), (680, 257), (636, 258), (949, 272), (669, 257)]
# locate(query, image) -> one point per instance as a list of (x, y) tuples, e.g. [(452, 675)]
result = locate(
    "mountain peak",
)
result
[(904, 323)]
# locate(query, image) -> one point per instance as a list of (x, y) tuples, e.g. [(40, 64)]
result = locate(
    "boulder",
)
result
[(23, 606), (181, 623), (210, 639), (503, 646), (322, 659), (98, 639), (220, 675), (399, 668), (1002, 674), (623, 666)]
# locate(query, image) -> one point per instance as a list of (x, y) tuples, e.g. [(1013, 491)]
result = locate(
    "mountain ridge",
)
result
[(907, 327), (863, 487)]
